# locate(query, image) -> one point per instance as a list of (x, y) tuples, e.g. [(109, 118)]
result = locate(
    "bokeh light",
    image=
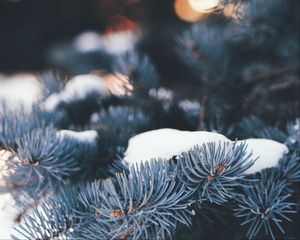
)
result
[(194, 10), (118, 84), (185, 11), (203, 5)]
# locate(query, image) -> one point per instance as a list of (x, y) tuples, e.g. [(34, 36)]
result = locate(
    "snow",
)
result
[(165, 143), (78, 88), (88, 41), (7, 215), (267, 152), (89, 136), (52, 101), (119, 42), (113, 43), (20, 91), (8, 211)]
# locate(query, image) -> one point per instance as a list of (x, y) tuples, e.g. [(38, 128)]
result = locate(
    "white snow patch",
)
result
[(165, 143), (78, 88), (87, 41), (52, 101), (8, 211), (89, 136), (7, 215), (20, 91), (119, 42), (113, 43), (267, 152)]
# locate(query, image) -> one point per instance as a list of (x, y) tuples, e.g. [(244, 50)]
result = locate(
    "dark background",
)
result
[(30, 31), (29, 28)]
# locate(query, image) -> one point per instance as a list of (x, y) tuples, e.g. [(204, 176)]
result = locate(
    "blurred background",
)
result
[(34, 33), (253, 44)]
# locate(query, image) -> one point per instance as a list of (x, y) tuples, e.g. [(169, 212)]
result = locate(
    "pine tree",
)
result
[(95, 157)]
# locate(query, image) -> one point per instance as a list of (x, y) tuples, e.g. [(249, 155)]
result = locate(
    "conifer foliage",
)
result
[(65, 158)]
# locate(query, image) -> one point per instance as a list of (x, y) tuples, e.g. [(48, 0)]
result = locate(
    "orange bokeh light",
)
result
[(185, 11), (203, 5)]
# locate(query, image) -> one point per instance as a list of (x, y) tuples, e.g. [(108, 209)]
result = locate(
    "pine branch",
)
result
[(289, 167), (264, 204), (42, 160), (52, 218), (141, 72), (154, 197), (214, 170)]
